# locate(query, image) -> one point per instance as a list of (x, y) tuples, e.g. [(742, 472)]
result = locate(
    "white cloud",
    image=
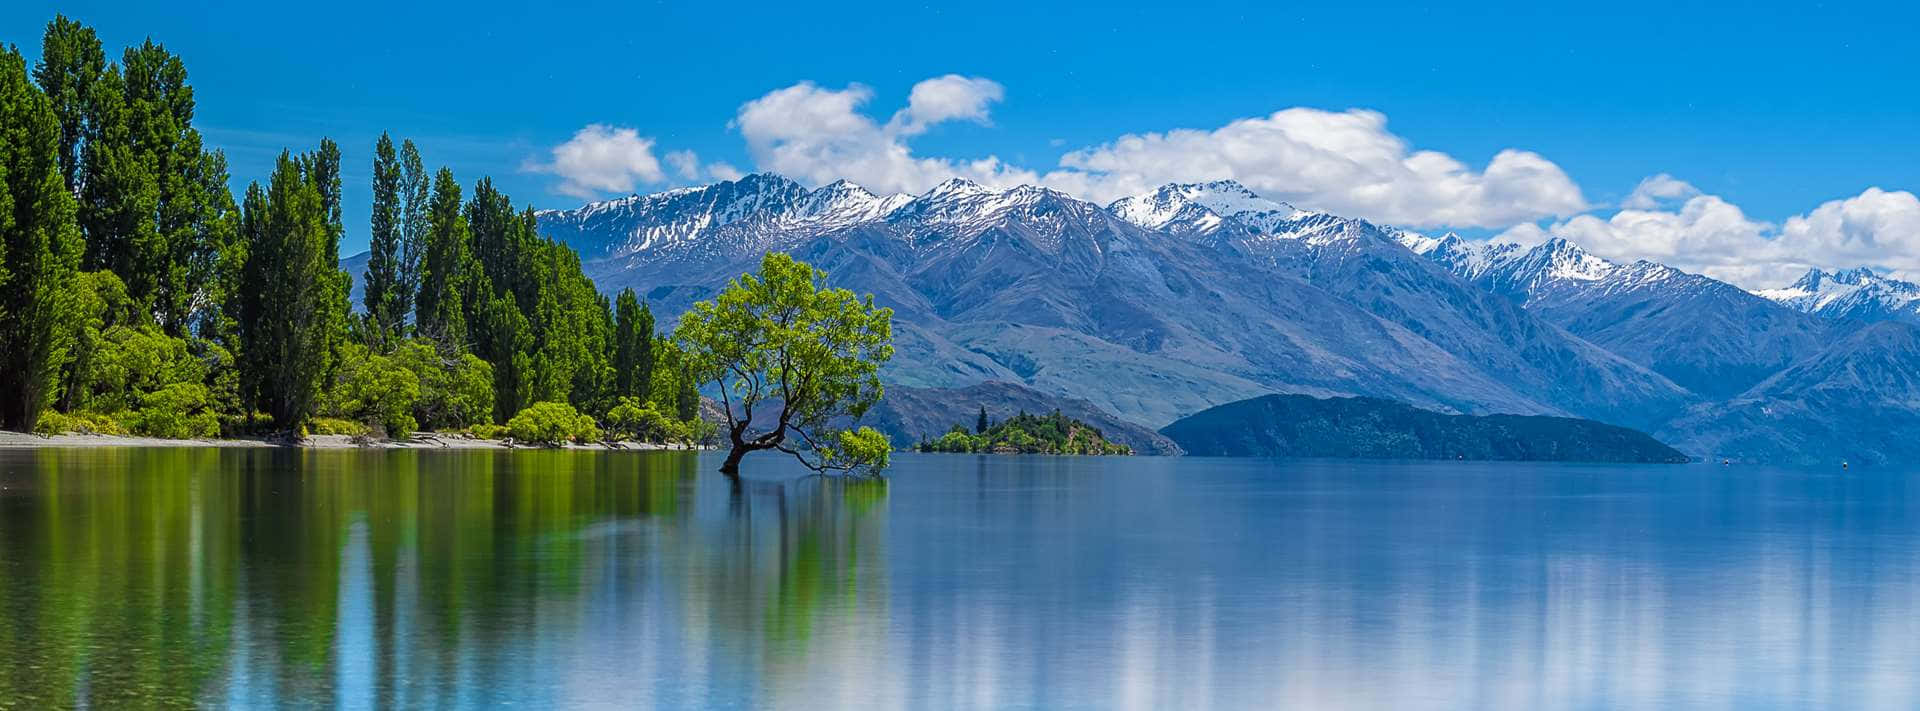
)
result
[(818, 135), (948, 98), (1708, 235), (1344, 162), (685, 164), (601, 159), (1656, 190), (721, 170)]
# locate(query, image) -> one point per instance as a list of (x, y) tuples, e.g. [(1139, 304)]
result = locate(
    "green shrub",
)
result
[(177, 411), (373, 389), (335, 426), (52, 422), (552, 423), (633, 420), (454, 391), (486, 430)]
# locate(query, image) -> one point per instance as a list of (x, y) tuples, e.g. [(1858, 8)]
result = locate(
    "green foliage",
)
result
[(177, 411), (487, 431), (632, 419), (413, 195), (39, 247), (1027, 434), (130, 363), (633, 359), (386, 313), (71, 63), (782, 336), (373, 389), (860, 451), (456, 390), (53, 422), (552, 423), (444, 265), (292, 301), (154, 204), (335, 426)]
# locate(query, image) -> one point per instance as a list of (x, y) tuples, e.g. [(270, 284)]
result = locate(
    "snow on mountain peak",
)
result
[(1558, 258), (1858, 293), (955, 187)]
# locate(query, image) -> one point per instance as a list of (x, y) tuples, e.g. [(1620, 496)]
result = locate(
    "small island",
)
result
[(1371, 428), (1025, 433)]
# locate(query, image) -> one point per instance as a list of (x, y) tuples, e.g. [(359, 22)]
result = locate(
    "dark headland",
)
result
[(1371, 428)]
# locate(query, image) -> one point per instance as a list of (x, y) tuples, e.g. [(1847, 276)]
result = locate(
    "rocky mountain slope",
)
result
[(1855, 401), (1709, 336), (1167, 303), (1029, 285)]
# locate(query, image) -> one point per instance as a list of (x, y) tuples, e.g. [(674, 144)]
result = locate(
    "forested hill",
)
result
[(1370, 428)]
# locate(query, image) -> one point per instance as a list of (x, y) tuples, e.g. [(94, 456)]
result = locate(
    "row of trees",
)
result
[(1024, 433), (137, 295)]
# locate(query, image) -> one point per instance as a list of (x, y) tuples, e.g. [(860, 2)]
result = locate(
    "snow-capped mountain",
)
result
[(1707, 335), (1856, 294), (1193, 295), (1030, 285)]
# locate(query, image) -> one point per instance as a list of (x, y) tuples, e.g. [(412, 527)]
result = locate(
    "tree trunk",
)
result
[(731, 467)]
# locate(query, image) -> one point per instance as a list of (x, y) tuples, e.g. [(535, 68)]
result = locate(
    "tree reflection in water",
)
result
[(184, 577)]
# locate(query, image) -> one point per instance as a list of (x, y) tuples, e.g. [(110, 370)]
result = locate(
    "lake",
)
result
[(370, 579)]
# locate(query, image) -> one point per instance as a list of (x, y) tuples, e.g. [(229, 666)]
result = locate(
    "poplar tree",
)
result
[(152, 201), (413, 228), (633, 347), (39, 246), (291, 307), (385, 312), (71, 63), (443, 267)]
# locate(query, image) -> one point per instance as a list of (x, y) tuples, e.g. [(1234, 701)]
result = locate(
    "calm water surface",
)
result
[(236, 578)]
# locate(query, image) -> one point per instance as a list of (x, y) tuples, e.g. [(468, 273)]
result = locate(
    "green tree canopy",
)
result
[(783, 341), (39, 247), (386, 312)]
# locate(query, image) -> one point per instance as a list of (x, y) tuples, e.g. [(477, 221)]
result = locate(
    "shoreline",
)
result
[(21, 440)]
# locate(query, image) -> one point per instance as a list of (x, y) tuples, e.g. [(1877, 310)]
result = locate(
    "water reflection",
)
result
[(179, 577)]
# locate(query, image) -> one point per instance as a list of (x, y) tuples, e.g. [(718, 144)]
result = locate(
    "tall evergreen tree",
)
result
[(626, 317), (291, 308), (39, 246), (633, 347), (385, 314), (439, 309), (152, 200), (71, 63), (645, 358), (980, 425), (413, 227)]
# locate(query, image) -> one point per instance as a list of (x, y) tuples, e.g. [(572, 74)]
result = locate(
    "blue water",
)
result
[(582, 579)]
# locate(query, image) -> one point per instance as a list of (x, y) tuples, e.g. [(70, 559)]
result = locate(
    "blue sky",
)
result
[(1776, 109)]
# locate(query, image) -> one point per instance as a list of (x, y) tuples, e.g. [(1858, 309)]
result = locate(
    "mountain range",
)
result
[(1856, 294), (1161, 305)]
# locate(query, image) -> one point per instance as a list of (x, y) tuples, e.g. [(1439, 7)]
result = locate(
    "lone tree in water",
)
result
[(805, 356)]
